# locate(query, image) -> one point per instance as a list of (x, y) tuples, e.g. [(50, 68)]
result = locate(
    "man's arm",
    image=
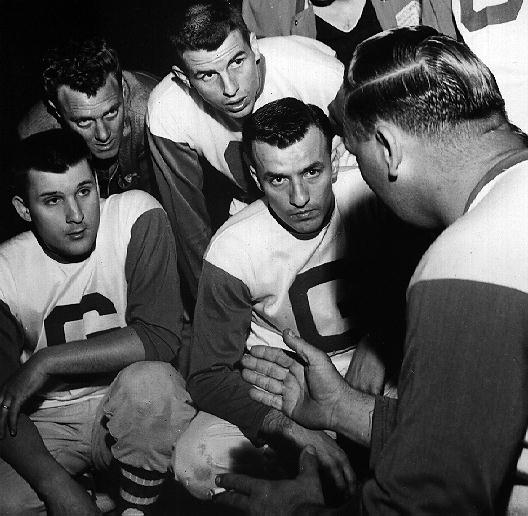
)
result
[(25, 451), (462, 411), (179, 177), (27, 454), (222, 323)]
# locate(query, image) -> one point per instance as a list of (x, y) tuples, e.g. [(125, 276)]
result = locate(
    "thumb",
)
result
[(306, 351), (308, 463)]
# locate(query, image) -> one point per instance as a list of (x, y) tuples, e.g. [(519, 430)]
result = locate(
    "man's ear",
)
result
[(387, 137), (253, 43), (21, 208), (253, 173), (53, 110), (335, 170), (181, 76)]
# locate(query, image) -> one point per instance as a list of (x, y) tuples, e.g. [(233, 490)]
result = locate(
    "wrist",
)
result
[(55, 480), (352, 415), (278, 430)]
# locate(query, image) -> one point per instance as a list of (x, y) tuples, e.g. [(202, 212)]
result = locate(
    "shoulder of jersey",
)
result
[(295, 44), (131, 203), (489, 242), (172, 109), (243, 227)]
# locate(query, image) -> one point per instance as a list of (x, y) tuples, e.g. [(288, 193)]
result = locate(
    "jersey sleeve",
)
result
[(11, 343), (179, 178), (154, 306), (461, 413), (221, 326)]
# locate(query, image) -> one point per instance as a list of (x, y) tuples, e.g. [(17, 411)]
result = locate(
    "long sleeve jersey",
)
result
[(130, 279)]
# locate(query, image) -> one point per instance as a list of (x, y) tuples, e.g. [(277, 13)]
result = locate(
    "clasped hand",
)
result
[(24, 383)]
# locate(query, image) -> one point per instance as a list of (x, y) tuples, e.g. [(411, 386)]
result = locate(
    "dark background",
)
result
[(136, 29)]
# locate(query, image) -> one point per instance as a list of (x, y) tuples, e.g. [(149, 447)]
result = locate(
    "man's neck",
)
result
[(463, 169)]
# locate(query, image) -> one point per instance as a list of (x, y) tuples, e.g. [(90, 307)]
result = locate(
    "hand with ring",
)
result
[(23, 384)]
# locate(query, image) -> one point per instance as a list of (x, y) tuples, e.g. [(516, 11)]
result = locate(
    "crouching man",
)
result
[(90, 292), (285, 260)]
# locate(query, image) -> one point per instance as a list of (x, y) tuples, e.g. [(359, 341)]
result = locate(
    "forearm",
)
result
[(27, 454), (103, 353), (224, 393)]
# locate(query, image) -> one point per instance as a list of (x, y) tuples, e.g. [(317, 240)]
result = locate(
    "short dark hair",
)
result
[(54, 151), (204, 25), (83, 65), (283, 122), (421, 81)]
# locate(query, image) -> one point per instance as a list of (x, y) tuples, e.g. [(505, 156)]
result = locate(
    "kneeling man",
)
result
[(90, 290), (284, 261)]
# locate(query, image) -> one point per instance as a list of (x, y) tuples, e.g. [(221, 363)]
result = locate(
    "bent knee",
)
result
[(211, 446), (150, 382)]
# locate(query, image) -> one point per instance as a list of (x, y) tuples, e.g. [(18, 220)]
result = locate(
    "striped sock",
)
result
[(139, 489)]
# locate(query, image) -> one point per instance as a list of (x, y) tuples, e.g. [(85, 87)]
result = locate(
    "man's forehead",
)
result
[(72, 100), (232, 45), (294, 158), (40, 181)]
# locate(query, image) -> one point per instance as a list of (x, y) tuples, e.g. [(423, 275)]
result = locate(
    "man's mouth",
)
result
[(104, 146), (237, 105), (304, 214), (77, 234)]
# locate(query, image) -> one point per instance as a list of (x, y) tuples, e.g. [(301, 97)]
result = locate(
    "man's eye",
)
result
[(83, 192), (313, 172), (207, 76), (238, 61), (83, 123), (51, 201), (112, 113), (277, 181)]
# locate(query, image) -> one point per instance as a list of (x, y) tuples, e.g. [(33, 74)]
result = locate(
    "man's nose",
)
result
[(102, 134), (74, 212), (299, 195), (230, 84)]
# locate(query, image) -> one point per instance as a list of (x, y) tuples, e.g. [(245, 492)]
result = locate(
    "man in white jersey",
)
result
[(427, 123), (291, 259), (195, 114), (90, 290)]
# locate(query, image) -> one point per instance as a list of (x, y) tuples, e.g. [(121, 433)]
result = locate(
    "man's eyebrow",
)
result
[(86, 182), (240, 53), (113, 107), (46, 194), (272, 175), (80, 118), (315, 164)]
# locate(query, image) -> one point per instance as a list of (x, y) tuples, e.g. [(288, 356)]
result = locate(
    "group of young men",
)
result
[(96, 369)]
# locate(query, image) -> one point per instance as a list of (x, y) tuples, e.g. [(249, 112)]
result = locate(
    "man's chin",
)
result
[(106, 154)]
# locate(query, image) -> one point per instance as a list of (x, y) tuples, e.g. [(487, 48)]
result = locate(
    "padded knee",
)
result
[(211, 446), (147, 408)]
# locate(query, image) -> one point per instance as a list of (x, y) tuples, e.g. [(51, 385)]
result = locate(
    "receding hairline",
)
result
[(327, 143)]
